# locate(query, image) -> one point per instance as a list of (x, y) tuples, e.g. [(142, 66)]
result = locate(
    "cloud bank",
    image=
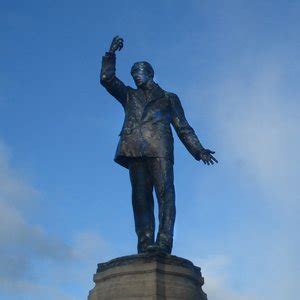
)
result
[(34, 263), (256, 120)]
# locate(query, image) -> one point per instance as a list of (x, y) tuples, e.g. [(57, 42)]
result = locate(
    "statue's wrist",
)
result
[(199, 153), (201, 150), (110, 53)]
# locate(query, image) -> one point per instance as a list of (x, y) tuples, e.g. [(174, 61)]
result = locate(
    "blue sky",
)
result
[(65, 205)]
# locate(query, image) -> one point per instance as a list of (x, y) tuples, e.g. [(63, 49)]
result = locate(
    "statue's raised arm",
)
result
[(108, 72)]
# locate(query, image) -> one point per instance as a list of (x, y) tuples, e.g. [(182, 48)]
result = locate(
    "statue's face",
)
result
[(141, 76)]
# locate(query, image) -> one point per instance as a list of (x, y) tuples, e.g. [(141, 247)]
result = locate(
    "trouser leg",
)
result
[(163, 179), (142, 203)]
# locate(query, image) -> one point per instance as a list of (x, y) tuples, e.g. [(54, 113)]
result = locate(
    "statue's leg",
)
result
[(142, 202), (163, 179)]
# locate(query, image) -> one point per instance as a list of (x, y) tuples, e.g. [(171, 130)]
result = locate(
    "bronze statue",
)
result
[(146, 147)]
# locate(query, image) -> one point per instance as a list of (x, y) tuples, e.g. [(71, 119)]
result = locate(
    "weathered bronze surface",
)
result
[(146, 147)]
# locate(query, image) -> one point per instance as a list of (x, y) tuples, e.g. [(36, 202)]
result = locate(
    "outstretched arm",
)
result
[(108, 70), (187, 134)]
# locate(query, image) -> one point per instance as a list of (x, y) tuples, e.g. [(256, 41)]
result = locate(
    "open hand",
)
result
[(116, 44), (206, 156)]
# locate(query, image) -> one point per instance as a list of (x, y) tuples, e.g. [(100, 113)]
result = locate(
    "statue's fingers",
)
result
[(210, 151), (204, 161), (214, 159), (120, 47), (211, 161)]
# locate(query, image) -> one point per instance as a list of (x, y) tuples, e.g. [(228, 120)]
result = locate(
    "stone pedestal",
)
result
[(153, 276)]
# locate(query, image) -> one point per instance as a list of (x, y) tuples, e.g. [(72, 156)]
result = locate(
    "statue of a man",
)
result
[(146, 147)]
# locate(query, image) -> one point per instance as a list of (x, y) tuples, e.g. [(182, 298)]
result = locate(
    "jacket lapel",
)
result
[(155, 93), (145, 99), (141, 96)]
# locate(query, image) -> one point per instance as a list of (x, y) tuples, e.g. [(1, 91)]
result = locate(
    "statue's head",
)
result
[(142, 72)]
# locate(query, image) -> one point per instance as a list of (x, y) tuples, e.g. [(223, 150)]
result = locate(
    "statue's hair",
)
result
[(144, 65)]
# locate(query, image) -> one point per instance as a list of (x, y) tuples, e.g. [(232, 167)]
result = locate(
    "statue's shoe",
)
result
[(159, 249), (153, 248), (144, 242), (164, 243)]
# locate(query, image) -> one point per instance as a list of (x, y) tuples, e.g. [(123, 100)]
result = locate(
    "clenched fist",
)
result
[(116, 44)]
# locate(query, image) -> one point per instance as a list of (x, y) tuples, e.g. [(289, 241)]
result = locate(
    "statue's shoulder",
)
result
[(131, 89), (171, 96), (167, 93)]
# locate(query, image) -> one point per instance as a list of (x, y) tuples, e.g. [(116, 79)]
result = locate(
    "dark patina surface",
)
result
[(146, 147)]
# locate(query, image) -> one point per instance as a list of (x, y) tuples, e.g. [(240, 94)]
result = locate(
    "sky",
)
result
[(66, 206)]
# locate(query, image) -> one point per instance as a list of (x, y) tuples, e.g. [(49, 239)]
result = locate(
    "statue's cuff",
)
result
[(110, 54), (198, 154)]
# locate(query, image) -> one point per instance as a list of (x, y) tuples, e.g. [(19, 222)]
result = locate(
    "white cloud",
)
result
[(34, 264), (22, 244), (217, 283), (259, 126), (256, 119), (13, 188), (88, 249), (23, 289), (86, 245)]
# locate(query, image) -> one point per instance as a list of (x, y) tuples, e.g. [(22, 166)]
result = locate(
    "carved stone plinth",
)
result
[(148, 276)]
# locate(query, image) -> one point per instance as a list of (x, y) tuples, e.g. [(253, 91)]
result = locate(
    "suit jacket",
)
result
[(146, 130)]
